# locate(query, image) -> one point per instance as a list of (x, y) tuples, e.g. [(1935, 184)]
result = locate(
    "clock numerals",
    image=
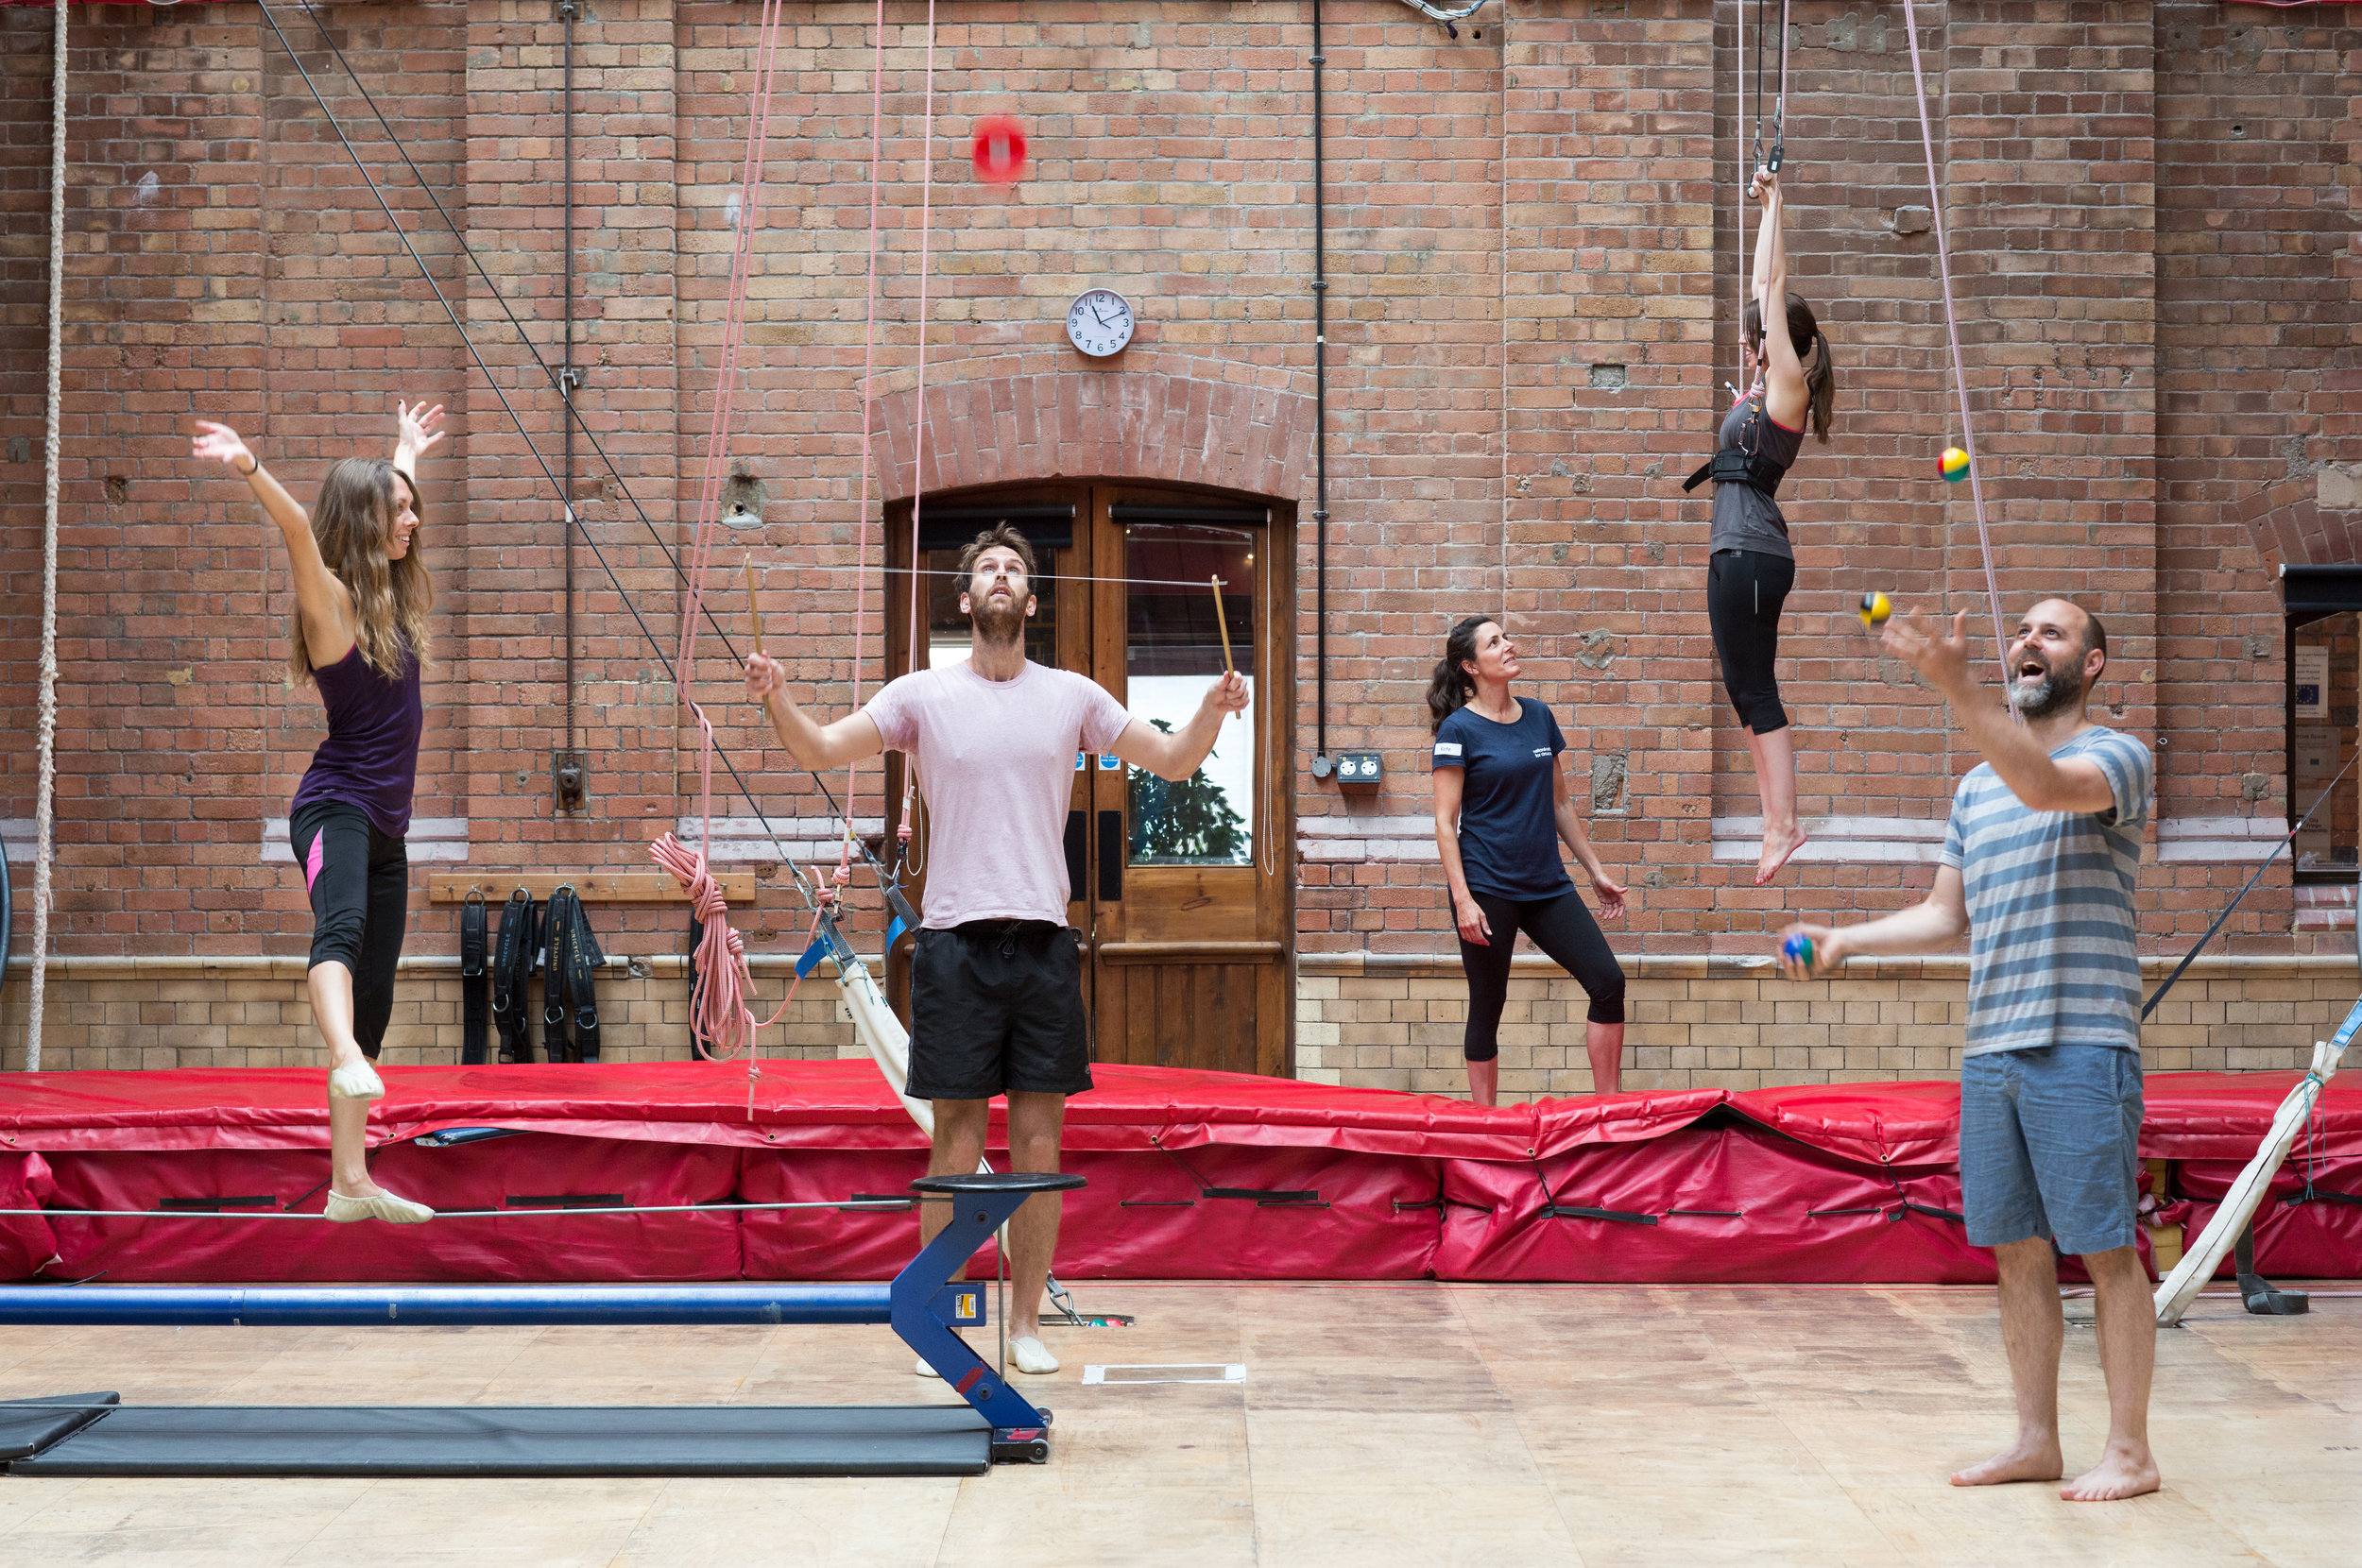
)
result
[(1099, 323)]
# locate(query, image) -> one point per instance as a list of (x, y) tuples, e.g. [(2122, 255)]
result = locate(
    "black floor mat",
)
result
[(29, 1425), (410, 1439)]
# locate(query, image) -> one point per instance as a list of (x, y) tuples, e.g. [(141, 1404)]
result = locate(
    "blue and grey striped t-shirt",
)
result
[(2051, 953)]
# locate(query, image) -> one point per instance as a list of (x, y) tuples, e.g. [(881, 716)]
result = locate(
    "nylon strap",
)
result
[(512, 975), (475, 991)]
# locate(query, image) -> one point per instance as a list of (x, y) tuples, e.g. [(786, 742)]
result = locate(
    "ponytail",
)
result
[(1820, 386), (1805, 332), (1452, 686)]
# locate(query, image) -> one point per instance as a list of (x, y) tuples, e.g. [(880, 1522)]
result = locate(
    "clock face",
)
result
[(1098, 323)]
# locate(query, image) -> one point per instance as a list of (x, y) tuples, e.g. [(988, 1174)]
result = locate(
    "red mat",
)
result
[(1193, 1175)]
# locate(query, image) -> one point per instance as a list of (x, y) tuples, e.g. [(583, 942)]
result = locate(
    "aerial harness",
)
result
[(570, 1003), (514, 951), (475, 985), (1743, 461)]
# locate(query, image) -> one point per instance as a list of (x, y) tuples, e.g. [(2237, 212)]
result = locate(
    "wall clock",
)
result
[(1099, 322)]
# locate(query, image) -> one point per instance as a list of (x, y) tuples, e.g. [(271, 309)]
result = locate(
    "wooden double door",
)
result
[(1183, 892)]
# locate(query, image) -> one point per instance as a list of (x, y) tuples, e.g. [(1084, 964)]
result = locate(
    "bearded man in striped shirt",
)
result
[(2037, 870)]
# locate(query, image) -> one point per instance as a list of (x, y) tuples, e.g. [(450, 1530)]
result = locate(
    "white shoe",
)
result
[(923, 1369), (356, 1080), (380, 1206), (1032, 1355)]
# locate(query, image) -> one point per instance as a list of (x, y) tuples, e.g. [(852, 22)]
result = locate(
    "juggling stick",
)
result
[(1221, 623), (752, 608)]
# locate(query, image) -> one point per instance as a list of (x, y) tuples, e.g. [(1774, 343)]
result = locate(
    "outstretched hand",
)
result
[(217, 443), (413, 425), (1938, 656), (764, 676), (1764, 187)]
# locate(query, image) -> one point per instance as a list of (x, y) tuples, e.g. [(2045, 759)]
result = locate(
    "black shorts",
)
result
[(996, 1005)]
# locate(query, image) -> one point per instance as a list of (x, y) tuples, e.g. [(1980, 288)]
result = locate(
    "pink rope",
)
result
[(868, 399), (721, 1015), (918, 438), (1952, 333)]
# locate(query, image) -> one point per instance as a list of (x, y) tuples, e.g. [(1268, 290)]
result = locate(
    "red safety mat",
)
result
[(1193, 1175)]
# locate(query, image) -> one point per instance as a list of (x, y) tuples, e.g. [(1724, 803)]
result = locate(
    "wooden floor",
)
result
[(1377, 1424)]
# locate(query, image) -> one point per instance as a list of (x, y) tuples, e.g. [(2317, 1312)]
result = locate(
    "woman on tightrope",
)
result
[(359, 632), (1752, 566), (1501, 809)]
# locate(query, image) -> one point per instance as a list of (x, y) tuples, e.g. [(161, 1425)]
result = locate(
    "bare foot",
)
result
[(2122, 1472), (1777, 848), (2021, 1461)]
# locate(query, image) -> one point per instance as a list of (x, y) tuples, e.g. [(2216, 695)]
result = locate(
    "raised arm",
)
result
[(1175, 756), (1786, 397), (325, 603), (815, 746), (2040, 781), (414, 432)]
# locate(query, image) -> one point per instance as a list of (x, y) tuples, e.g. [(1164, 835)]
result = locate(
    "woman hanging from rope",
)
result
[(359, 632), (1751, 565), (1501, 808)]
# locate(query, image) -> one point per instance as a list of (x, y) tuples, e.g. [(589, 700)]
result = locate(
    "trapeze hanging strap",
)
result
[(475, 992)]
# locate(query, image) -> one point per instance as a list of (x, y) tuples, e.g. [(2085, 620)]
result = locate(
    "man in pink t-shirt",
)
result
[(996, 980)]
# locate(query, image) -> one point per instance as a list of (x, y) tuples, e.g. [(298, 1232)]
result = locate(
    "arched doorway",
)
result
[(1184, 892)]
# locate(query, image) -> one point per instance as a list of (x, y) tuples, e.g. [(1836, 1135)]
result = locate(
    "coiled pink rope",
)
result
[(719, 1014)]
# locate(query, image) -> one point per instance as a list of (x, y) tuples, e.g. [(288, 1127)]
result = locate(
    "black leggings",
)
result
[(1562, 927), (1745, 590), (359, 880)]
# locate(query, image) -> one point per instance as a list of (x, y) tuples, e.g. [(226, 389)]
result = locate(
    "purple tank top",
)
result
[(371, 757)]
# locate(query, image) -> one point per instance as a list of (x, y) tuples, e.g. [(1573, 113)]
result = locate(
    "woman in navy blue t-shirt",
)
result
[(1501, 807)]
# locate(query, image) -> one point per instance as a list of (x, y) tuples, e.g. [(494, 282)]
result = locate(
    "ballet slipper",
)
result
[(377, 1205), (355, 1081), (1032, 1355)]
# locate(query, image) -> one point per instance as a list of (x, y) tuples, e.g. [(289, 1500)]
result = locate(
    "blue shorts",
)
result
[(2049, 1146)]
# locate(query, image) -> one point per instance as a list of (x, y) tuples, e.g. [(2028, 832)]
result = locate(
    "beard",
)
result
[(998, 623), (2055, 692)]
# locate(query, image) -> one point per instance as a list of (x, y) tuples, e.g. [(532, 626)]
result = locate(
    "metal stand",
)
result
[(921, 1304), (2260, 1295)]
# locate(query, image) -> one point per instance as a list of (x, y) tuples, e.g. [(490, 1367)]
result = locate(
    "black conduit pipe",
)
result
[(1321, 767), (567, 380)]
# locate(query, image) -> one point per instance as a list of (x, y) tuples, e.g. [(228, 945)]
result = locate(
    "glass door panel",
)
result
[(1177, 637)]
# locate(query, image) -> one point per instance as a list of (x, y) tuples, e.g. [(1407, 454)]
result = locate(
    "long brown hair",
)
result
[(1821, 377), (353, 523)]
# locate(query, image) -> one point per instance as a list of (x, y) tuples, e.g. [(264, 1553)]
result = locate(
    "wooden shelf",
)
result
[(592, 887)]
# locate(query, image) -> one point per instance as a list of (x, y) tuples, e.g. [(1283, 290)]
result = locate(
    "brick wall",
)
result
[(1533, 269)]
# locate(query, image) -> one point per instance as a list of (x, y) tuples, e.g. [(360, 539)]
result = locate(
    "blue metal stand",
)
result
[(920, 1304)]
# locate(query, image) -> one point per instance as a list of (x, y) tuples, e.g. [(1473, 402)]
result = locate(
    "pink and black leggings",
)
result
[(359, 880)]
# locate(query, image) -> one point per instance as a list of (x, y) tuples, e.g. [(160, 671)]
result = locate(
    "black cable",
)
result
[(2156, 996), (574, 521)]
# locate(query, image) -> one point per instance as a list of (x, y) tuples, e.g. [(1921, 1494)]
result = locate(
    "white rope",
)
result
[(43, 810)]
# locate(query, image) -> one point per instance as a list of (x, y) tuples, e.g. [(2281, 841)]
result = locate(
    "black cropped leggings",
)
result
[(359, 880), (1562, 927), (1745, 590)]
